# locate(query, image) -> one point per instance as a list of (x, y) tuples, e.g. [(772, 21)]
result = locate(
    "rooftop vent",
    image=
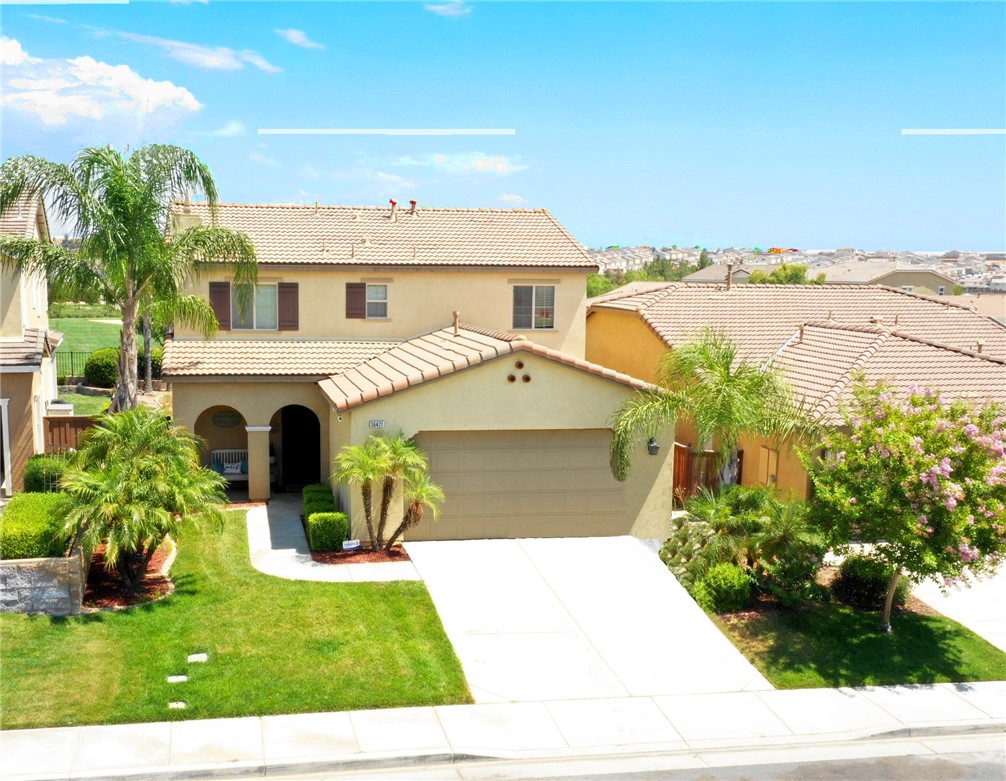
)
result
[(413, 204), (394, 209)]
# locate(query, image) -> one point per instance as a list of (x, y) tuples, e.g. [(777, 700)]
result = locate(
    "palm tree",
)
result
[(161, 310), (364, 465), (120, 208), (702, 382), (133, 481), (419, 493), (403, 457)]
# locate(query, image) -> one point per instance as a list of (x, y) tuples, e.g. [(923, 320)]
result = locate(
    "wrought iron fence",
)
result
[(70, 363)]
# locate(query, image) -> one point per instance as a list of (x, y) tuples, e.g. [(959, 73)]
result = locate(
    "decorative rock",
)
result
[(177, 678), (198, 657), (176, 706)]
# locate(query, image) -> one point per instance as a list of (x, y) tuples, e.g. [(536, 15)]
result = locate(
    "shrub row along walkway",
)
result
[(278, 547), (801, 721)]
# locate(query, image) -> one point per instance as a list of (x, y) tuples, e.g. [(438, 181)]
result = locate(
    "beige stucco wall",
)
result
[(480, 399), (20, 388), (924, 283), (621, 340), (418, 302)]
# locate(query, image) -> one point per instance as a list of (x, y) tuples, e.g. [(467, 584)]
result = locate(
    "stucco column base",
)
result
[(258, 463)]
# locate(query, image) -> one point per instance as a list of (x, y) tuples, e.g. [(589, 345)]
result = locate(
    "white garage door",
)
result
[(523, 484)]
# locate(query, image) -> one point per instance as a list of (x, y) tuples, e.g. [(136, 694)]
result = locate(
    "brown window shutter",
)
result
[(356, 300), (288, 306), (220, 300)]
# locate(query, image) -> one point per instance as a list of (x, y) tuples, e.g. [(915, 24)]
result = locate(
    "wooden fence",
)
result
[(695, 469), (63, 432)]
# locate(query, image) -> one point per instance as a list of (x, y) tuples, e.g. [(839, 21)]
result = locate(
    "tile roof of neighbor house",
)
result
[(820, 359), (20, 220), (863, 272), (439, 354), (760, 318), (718, 272), (367, 235), (270, 358), (35, 344)]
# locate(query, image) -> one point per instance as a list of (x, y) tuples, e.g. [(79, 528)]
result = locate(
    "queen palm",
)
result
[(363, 465), (403, 458), (703, 383), (133, 481), (419, 493), (119, 206)]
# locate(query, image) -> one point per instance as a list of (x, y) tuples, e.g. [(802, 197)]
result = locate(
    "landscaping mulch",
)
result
[(361, 556), (104, 587)]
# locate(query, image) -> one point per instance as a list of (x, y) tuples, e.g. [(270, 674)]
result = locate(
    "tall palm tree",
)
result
[(161, 310), (120, 208), (420, 493), (363, 465), (703, 383), (403, 457), (132, 482)]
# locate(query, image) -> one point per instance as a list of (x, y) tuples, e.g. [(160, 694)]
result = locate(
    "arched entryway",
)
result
[(222, 428), (296, 441)]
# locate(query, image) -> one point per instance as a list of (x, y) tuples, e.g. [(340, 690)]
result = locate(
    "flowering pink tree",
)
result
[(923, 480)]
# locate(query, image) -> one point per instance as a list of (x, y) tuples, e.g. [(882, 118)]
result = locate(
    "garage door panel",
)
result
[(523, 484)]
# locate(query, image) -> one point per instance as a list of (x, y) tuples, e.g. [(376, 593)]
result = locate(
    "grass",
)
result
[(85, 405), (81, 335), (83, 310), (275, 646), (830, 645)]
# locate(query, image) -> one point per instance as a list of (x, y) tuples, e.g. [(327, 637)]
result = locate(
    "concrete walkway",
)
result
[(574, 618), (685, 725), (980, 608), (278, 547)]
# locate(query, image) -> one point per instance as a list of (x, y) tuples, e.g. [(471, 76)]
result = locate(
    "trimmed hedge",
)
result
[(156, 358), (724, 589), (862, 582), (102, 368), (317, 499), (42, 473), (30, 527), (327, 531)]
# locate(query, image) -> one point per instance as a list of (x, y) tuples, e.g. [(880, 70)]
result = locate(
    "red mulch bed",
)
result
[(104, 587), (244, 505), (361, 556)]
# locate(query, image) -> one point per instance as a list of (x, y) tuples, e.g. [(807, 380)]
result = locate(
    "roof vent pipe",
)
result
[(801, 333), (394, 209), (876, 319), (457, 320), (980, 346), (730, 275), (413, 209)]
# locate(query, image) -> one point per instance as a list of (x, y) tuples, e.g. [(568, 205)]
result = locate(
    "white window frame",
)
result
[(908, 288), (5, 476), (367, 300), (534, 308), (941, 290), (251, 308)]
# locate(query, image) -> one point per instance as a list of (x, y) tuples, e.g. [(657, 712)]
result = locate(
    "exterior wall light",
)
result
[(652, 446)]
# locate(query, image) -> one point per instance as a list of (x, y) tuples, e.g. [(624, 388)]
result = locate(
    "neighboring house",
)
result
[(817, 335), (27, 354), (353, 331), (718, 272), (890, 273)]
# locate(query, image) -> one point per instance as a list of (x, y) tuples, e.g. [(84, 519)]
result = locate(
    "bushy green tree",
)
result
[(921, 479), (785, 274), (134, 480)]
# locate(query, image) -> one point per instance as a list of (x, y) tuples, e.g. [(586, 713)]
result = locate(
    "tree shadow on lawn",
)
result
[(184, 587), (844, 647)]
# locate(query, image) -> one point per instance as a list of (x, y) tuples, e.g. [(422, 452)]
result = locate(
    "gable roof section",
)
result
[(270, 358), (35, 344), (820, 362), (439, 354), (24, 219), (367, 235), (760, 318), (865, 272)]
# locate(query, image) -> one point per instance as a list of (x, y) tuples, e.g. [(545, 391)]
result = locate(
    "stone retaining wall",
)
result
[(54, 587)]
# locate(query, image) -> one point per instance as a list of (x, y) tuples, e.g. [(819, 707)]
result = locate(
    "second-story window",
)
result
[(260, 314), (377, 302), (534, 306)]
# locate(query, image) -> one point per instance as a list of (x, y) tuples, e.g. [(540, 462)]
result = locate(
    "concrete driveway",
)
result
[(979, 608), (572, 618)]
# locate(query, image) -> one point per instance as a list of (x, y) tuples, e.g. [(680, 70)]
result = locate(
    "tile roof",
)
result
[(438, 354), (819, 364), (718, 272), (866, 271), (21, 218), (233, 357), (367, 235), (30, 349), (760, 318)]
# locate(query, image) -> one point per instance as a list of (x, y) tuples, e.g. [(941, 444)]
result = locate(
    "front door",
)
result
[(301, 446)]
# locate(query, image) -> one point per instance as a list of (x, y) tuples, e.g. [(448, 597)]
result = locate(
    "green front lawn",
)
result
[(86, 405), (83, 310), (275, 646), (833, 645), (80, 335)]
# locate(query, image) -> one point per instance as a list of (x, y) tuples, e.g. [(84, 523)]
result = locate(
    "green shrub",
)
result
[(724, 589), (317, 489), (42, 473), (156, 356), (862, 582), (326, 531), (318, 505), (102, 368), (30, 527)]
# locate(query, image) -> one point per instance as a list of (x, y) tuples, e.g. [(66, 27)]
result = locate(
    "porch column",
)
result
[(258, 463)]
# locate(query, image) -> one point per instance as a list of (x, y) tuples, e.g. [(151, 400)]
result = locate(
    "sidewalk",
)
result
[(257, 746)]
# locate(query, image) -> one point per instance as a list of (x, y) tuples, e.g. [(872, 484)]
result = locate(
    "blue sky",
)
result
[(636, 123)]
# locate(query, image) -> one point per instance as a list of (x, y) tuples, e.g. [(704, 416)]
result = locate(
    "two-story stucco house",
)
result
[(464, 328), (27, 354)]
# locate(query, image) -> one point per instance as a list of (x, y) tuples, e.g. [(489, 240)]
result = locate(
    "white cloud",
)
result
[(199, 56), (50, 19), (453, 8), (188, 2), (258, 157), (466, 163), (511, 198), (299, 38), (229, 130), (55, 90), (309, 172)]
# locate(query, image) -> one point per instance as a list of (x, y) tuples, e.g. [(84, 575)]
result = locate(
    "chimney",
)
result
[(801, 333), (413, 209), (394, 209), (457, 320), (187, 208), (730, 275)]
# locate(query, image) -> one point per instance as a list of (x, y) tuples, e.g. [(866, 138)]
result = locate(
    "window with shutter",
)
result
[(356, 300), (220, 300), (289, 316)]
